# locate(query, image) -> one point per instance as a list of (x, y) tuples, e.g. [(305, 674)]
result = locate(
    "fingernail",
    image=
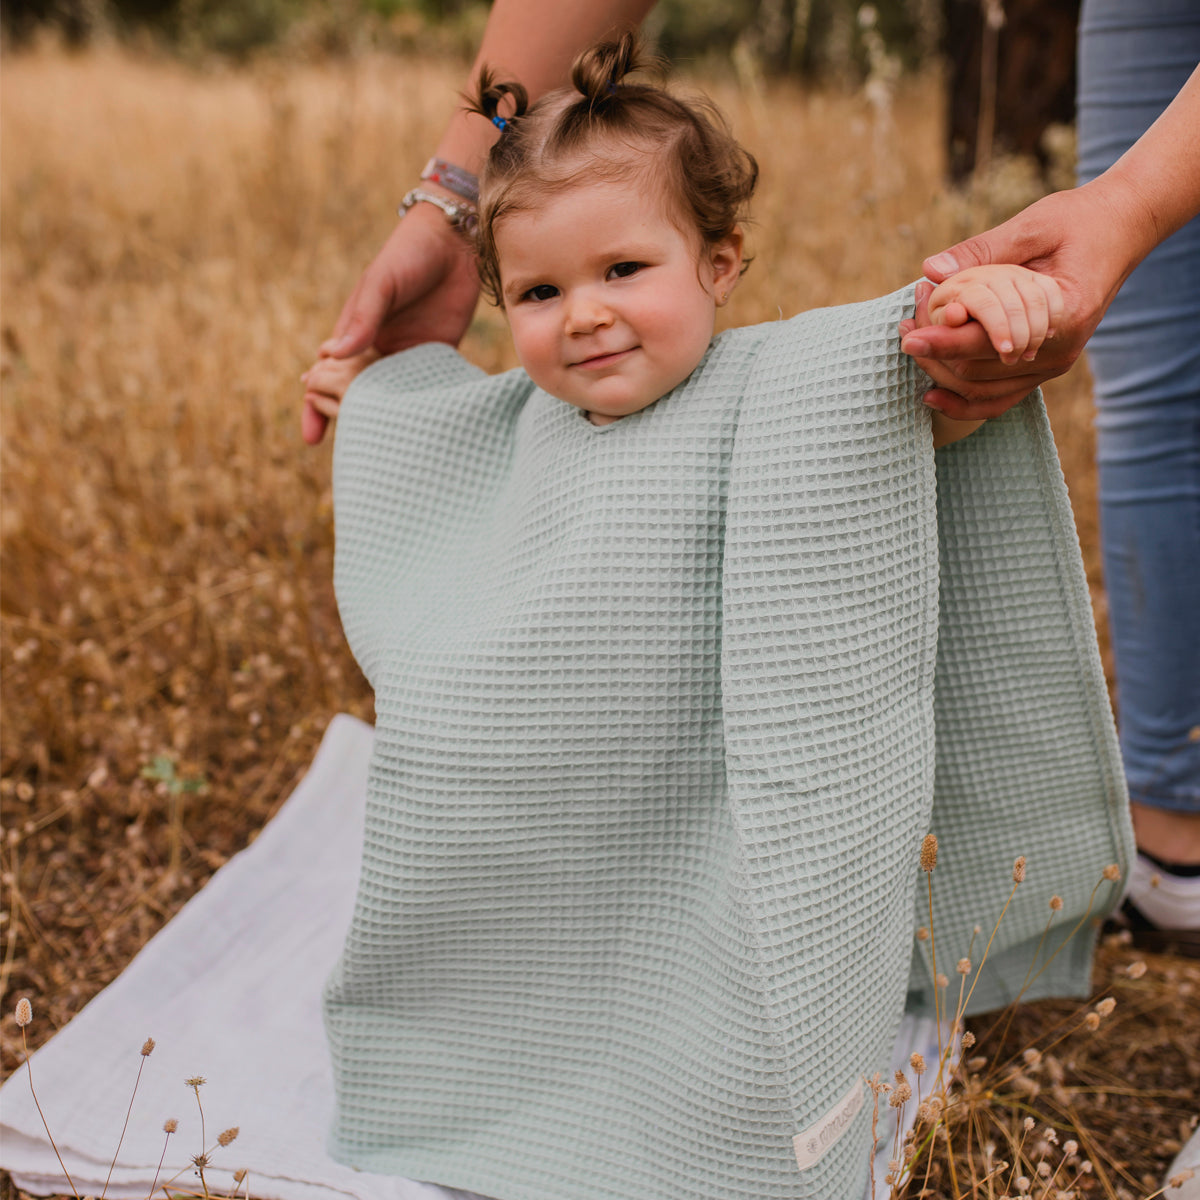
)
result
[(917, 347), (931, 403), (1006, 347), (944, 262), (1030, 355)]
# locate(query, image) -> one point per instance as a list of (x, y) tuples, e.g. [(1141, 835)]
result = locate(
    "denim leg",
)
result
[(1145, 357)]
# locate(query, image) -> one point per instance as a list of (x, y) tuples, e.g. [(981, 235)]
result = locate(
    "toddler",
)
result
[(659, 652), (610, 257)]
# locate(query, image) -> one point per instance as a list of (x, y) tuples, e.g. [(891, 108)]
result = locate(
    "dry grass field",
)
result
[(175, 245)]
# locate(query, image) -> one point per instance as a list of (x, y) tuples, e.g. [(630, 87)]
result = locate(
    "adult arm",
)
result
[(422, 286), (1089, 238)]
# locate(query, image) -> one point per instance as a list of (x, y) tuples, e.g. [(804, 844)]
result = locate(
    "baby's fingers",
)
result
[(997, 305), (953, 314), (1005, 315), (1046, 306)]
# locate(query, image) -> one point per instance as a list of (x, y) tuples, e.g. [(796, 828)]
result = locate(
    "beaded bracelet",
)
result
[(462, 216), (453, 178)]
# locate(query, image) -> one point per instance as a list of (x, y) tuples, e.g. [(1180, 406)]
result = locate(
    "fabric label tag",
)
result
[(814, 1141)]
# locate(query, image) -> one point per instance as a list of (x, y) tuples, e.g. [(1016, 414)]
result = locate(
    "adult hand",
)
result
[(421, 287), (1082, 238)]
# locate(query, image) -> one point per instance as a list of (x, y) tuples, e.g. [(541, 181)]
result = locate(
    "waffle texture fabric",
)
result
[(659, 711)]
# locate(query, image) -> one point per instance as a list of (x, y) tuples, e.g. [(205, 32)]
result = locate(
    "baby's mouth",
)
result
[(596, 361)]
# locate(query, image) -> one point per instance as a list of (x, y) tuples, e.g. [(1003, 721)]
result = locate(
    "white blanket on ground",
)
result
[(230, 990)]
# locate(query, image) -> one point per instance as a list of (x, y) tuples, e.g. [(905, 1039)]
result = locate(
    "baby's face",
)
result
[(611, 305)]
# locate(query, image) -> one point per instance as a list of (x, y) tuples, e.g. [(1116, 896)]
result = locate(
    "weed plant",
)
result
[(200, 1163), (986, 1122)]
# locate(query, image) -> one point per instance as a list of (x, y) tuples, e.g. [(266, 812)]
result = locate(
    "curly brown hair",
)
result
[(685, 144)]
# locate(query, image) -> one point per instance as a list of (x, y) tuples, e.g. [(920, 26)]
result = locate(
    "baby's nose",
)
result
[(586, 311)]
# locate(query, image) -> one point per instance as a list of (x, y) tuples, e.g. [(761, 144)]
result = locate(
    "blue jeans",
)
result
[(1133, 58)]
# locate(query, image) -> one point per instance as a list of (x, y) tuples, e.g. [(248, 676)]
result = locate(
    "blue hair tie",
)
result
[(500, 123)]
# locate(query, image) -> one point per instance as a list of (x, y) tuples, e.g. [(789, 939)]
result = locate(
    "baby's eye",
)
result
[(543, 291), (623, 270)]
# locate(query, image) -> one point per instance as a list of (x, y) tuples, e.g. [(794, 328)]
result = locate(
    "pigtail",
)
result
[(598, 72), (488, 96)]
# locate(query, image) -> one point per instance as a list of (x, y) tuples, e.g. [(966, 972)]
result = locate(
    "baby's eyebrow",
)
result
[(519, 285)]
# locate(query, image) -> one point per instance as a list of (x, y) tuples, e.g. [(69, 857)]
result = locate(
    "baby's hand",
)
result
[(326, 381), (1017, 308)]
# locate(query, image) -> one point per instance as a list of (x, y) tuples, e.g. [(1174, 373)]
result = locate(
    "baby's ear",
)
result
[(726, 259)]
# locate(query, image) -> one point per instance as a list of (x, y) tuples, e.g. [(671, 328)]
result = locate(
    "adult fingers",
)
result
[(363, 313), (1019, 240), (948, 342), (976, 380), (959, 408)]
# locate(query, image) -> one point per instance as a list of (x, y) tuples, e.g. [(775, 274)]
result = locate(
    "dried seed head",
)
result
[(941, 981), (1177, 1181), (1028, 1124), (922, 934), (964, 966), (1071, 1148), (196, 1081), (1019, 869), (147, 1047), (170, 1125), (1136, 970), (1112, 872), (239, 1175), (1032, 1056), (226, 1136), (1043, 1169), (929, 852), (24, 1013), (1022, 1184), (917, 1062), (1085, 1168), (200, 1160), (977, 1063), (1106, 1006), (1051, 1135), (968, 1040), (902, 1093), (924, 1112), (1056, 903), (1092, 1022)]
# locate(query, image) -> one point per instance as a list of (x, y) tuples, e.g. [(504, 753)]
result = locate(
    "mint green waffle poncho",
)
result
[(660, 707)]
